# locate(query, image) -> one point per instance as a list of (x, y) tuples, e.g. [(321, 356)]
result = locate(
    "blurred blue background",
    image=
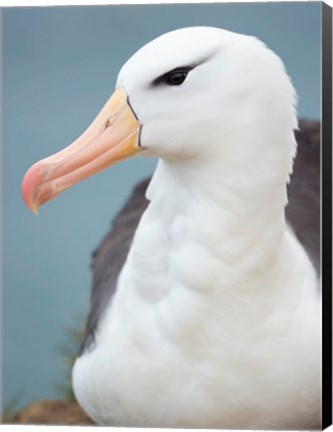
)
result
[(59, 67)]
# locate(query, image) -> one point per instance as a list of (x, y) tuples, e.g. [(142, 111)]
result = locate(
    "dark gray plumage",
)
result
[(110, 256), (303, 209), (303, 214)]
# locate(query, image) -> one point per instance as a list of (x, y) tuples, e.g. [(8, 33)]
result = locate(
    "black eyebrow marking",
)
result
[(161, 79)]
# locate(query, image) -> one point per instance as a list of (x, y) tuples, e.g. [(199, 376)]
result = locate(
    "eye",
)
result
[(176, 77)]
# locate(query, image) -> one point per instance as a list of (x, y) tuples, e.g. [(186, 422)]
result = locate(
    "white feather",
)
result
[(216, 322)]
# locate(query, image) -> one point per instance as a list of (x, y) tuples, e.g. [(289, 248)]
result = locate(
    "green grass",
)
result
[(69, 351), (11, 408)]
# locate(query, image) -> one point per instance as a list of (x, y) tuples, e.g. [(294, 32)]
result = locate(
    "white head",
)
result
[(200, 95), (235, 89)]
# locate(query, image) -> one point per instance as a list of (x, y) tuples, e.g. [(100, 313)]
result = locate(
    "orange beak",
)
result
[(113, 136)]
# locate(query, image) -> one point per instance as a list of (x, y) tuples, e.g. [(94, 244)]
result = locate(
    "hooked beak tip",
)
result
[(30, 183), (113, 136)]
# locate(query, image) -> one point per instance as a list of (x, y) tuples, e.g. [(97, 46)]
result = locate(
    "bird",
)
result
[(208, 312)]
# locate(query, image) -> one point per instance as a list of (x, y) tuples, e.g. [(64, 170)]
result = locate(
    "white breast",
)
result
[(191, 340)]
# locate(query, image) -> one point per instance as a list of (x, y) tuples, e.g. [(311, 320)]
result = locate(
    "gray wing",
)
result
[(109, 258), (303, 214), (303, 210)]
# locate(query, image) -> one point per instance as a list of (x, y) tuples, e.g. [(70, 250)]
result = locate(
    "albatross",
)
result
[(214, 319)]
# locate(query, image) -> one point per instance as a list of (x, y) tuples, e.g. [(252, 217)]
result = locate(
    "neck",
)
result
[(236, 207), (199, 219)]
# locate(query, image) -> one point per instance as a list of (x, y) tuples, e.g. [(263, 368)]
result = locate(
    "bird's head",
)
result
[(200, 93)]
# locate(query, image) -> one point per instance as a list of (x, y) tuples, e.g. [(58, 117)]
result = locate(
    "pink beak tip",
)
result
[(29, 186)]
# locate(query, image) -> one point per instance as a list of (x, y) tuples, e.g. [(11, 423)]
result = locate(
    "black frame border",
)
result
[(326, 235)]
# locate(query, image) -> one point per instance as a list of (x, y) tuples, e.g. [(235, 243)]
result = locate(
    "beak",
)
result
[(113, 136)]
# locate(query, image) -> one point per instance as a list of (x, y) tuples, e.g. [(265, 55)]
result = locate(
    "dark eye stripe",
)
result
[(172, 76), (162, 79)]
